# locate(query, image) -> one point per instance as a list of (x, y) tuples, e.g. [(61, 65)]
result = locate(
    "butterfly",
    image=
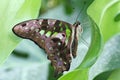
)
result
[(58, 38)]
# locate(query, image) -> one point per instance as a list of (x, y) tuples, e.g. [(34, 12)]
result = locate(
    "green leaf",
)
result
[(108, 61), (12, 12), (115, 75), (95, 47), (76, 75), (107, 16)]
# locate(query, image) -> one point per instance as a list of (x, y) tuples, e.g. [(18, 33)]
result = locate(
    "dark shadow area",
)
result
[(20, 54), (103, 76)]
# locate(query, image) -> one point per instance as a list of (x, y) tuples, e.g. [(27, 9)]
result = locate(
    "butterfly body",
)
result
[(58, 39)]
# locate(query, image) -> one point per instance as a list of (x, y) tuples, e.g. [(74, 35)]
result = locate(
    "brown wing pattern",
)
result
[(54, 36)]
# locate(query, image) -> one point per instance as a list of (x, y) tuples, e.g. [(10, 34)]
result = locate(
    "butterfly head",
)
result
[(76, 24)]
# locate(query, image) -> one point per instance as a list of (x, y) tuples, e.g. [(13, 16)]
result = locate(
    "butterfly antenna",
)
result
[(80, 12), (85, 42)]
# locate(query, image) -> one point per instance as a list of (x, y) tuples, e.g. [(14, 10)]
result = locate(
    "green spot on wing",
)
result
[(42, 32), (48, 33), (60, 24), (55, 33), (54, 27), (68, 32), (61, 29)]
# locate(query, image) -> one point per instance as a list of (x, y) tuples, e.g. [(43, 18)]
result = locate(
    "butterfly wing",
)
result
[(54, 36)]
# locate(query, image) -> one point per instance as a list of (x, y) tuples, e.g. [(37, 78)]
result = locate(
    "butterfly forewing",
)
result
[(57, 38)]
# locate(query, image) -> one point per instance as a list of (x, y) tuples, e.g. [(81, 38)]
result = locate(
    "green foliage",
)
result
[(106, 15), (94, 49), (108, 61), (76, 75), (12, 12)]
